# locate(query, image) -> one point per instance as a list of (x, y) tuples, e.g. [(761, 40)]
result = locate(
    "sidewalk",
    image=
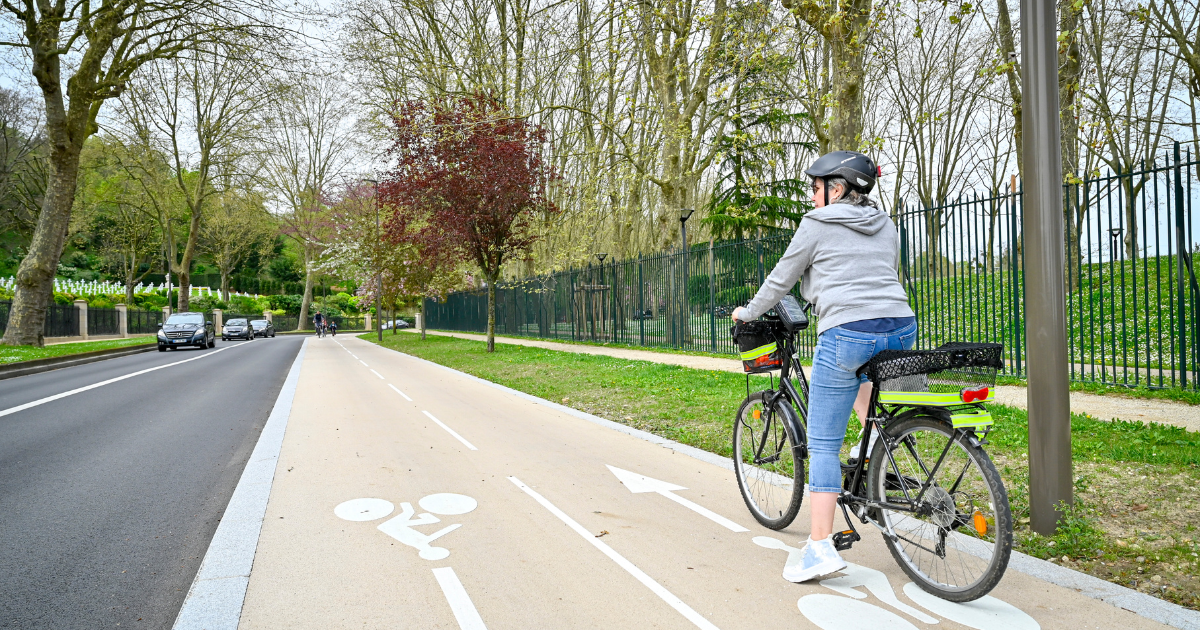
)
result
[(410, 495), (1101, 407)]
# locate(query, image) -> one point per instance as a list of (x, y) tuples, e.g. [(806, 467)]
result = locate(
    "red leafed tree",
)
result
[(477, 178)]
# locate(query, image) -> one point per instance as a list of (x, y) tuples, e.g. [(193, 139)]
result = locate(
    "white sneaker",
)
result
[(870, 447), (820, 558)]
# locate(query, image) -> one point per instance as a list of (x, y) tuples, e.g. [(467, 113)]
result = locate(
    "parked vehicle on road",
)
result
[(186, 329), (263, 327), (400, 323), (237, 329)]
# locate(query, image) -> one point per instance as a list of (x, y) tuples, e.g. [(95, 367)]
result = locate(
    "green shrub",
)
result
[(737, 296)]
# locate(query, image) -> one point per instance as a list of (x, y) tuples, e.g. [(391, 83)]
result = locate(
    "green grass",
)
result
[(1121, 467), (14, 354)]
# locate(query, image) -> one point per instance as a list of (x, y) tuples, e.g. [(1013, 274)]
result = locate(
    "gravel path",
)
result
[(1102, 407)]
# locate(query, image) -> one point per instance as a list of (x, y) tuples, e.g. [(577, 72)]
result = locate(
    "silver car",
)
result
[(237, 329)]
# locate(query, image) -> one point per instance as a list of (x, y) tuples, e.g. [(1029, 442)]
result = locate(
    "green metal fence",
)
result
[(1132, 295)]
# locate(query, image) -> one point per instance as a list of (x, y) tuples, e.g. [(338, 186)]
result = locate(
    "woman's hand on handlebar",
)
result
[(739, 315)]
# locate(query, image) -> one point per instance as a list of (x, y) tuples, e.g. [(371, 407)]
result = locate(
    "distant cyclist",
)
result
[(332, 328), (319, 323)]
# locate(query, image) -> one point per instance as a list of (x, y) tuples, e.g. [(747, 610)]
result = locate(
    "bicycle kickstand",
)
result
[(844, 540)]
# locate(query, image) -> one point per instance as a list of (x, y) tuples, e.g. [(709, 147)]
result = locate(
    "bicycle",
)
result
[(933, 491), (320, 330)]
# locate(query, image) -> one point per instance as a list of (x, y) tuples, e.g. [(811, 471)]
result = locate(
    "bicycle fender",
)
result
[(795, 432)]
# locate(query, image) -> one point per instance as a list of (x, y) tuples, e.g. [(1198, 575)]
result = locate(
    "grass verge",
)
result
[(1132, 522), (14, 354)]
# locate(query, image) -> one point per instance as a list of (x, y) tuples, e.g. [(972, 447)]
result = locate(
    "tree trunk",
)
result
[(308, 288), (845, 128), (224, 285), (424, 322), (491, 333), (130, 273), (35, 277), (1069, 73), (185, 290)]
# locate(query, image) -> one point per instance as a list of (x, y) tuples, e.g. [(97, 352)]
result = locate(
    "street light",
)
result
[(378, 271), (684, 215)]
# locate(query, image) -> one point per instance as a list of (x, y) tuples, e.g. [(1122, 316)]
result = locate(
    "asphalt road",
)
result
[(109, 497)]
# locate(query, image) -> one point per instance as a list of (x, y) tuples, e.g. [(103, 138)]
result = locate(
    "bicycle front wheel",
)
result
[(770, 477), (955, 537)]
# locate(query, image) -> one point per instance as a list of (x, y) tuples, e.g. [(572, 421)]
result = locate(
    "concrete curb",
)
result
[(37, 366), (1135, 602), (215, 599)]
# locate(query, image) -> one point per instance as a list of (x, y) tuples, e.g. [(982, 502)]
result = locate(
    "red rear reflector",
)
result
[(972, 395), (878, 171)]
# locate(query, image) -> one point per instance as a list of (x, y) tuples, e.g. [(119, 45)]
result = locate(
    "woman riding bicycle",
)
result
[(845, 255)]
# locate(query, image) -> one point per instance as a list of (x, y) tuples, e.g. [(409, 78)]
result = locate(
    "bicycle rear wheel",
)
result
[(957, 543), (770, 478)]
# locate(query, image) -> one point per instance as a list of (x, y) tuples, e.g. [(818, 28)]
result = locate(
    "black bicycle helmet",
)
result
[(856, 168)]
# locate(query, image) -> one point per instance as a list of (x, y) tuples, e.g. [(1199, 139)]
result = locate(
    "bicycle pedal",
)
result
[(844, 540)]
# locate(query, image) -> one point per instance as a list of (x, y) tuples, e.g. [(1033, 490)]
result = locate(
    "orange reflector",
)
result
[(757, 414), (980, 523)]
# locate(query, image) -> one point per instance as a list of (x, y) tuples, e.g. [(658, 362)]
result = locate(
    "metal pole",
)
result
[(1045, 303), (378, 273)]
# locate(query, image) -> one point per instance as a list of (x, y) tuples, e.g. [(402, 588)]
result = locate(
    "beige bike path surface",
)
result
[(515, 561), (1102, 407)]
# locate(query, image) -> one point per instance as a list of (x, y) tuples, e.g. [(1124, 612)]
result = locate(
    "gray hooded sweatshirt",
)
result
[(846, 260)]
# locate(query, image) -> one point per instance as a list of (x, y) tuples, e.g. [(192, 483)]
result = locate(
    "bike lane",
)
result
[(521, 515)]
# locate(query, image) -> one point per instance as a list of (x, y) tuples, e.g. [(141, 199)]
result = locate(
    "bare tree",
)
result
[(236, 226), (307, 150)]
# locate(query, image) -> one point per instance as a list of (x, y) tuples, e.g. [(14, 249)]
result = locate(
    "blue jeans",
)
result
[(839, 354)]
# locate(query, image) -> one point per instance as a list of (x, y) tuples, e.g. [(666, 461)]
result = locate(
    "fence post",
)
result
[(123, 321), (82, 307), (641, 305), (166, 312), (712, 295), (1180, 263), (269, 316), (218, 319), (367, 323)]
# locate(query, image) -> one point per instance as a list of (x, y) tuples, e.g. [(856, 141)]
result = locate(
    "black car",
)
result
[(263, 327), (237, 329), (186, 329)]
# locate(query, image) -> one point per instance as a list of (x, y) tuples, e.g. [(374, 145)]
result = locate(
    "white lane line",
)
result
[(214, 602), (377, 373), (449, 430), (400, 392), (42, 401), (464, 611), (362, 362), (676, 603)]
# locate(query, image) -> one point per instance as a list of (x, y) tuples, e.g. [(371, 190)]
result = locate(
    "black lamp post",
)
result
[(684, 215)]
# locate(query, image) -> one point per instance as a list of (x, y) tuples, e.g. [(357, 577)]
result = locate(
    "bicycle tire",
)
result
[(772, 492), (989, 551)]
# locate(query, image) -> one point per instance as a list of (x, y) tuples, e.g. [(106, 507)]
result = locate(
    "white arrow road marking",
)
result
[(830, 612), (376, 373), (450, 431), (985, 613), (464, 611), (676, 603), (400, 392), (875, 582), (641, 483), (42, 401)]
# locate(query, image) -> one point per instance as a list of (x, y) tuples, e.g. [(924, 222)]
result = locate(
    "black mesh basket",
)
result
[(949, 368), (758, 345)]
